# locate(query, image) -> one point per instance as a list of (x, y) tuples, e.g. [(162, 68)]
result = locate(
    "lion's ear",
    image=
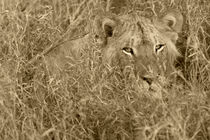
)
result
[(104, 27), (174, 20), (108, 26)]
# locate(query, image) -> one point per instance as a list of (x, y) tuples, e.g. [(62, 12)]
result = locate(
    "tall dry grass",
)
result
[(89, 101)]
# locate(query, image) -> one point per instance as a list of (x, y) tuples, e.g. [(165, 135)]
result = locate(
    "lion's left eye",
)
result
[(159, 47), (128, 51)]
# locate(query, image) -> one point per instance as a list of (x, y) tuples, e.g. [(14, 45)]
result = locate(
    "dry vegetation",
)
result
[(88, 101)]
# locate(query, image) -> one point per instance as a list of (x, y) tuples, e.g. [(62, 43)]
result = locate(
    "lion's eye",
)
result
[(128, 51), (159, 47)]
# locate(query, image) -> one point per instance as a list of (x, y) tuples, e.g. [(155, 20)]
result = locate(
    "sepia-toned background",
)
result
[(82, 99)]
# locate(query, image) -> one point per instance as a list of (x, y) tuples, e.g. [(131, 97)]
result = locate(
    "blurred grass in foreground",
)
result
[(89, 102)]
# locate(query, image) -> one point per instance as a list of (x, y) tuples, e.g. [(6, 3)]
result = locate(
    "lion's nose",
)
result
[(148, 79)]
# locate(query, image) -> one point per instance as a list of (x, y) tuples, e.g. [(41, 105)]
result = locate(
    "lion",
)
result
[(146, 43)]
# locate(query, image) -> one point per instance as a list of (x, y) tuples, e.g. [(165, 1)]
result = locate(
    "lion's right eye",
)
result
[(128, 51)]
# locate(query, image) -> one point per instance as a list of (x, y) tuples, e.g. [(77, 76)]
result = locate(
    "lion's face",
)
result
[(148, 45)]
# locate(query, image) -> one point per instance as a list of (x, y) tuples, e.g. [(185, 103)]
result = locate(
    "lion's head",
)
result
[(148, 44)]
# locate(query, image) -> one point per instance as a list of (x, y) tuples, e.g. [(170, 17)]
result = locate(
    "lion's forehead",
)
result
[(137, 31)]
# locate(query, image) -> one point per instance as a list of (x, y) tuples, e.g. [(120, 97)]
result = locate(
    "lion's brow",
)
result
[(140, 27), (144, 32)]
